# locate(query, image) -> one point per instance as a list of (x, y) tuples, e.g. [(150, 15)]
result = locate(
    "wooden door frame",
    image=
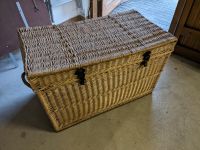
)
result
[(97, 9), (179, 28), (94, 8), (180, 16)]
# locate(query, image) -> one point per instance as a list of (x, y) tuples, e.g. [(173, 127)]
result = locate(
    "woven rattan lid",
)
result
[(72, 45)]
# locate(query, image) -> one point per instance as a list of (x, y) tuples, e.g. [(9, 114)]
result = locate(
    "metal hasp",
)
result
[(146, 57), (80, 73)]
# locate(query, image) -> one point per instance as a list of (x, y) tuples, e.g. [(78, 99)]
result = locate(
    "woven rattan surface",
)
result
[(62, 47), (122, 57)]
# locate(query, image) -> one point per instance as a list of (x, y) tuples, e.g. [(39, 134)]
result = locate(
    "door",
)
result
[(103, 7), (109, 5), (186, 26)]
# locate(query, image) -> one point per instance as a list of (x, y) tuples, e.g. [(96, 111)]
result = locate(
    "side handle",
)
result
[(23, 76)]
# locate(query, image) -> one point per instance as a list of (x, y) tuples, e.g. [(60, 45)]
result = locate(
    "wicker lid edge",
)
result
[(32, 75)]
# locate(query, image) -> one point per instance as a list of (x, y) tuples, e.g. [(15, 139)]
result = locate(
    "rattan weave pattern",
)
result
[(111, 50), (54, 48)]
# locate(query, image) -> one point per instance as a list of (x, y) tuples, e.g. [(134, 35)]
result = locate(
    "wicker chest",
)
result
[(79, 70)]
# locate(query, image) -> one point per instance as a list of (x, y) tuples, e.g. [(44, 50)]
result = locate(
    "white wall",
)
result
[(69, 10), (85, 7)]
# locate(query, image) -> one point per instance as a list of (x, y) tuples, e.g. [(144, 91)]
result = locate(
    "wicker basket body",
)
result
[(110, 76)]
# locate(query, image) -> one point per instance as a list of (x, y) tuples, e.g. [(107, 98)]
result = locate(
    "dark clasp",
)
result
[(81, 75), (146, 57)]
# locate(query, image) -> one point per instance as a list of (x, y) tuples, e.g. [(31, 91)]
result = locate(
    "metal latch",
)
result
[(146, 57), (80, 73)]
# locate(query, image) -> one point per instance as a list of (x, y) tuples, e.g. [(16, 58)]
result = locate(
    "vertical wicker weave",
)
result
[(120, 55)]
